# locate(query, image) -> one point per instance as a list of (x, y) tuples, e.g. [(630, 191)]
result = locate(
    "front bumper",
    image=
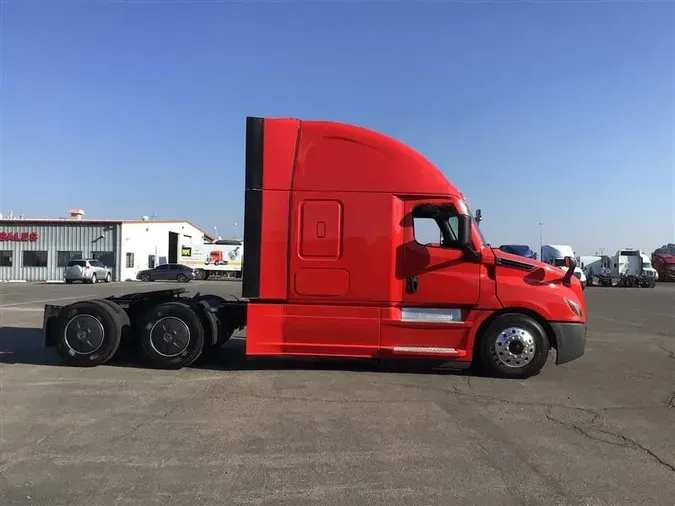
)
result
[(570, 340)]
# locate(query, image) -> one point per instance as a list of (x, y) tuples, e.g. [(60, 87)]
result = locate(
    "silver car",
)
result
[(87, 271)]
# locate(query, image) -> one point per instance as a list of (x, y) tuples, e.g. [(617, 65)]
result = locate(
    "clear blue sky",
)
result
[(555, 112)]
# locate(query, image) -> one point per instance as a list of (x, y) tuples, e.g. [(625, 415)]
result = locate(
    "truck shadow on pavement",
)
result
[(20, 345)]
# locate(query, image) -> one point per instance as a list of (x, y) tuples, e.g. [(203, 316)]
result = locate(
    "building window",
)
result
[(5, 258), (35, 259), (107, 258), (66, 256), (130, 260)]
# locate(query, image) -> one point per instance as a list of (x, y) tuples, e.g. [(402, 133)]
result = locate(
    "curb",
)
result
[(13, 281)]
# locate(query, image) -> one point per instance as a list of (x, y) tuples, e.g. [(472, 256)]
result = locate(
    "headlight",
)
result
[(575, 308)]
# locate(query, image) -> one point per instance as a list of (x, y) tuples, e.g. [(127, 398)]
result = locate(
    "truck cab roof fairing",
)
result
[(338, 157), (333, 156)]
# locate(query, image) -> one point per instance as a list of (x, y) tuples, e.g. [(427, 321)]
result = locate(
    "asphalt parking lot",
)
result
[(598, 431)]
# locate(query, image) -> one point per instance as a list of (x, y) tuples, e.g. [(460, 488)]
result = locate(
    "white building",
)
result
[(39, 249), (148, 243)]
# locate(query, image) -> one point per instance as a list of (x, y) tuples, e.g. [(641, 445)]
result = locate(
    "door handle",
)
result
[(411, 284)]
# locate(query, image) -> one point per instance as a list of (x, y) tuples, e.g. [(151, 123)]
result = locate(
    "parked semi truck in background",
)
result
[(555, 254), (664, 263), (222, 258), (628, 269), (332, 268)]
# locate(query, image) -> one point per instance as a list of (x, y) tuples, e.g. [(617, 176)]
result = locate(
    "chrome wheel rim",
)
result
[(515, 347)]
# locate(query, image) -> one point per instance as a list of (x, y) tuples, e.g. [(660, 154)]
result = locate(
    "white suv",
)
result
[(87, 271)]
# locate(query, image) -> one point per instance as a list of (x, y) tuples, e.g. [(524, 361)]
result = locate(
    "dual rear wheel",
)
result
[(170, 335)]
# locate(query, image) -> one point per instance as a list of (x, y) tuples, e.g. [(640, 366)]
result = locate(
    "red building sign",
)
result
[(18, 236)]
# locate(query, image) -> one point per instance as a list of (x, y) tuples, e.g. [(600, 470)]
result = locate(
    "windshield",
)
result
[(559, 262)]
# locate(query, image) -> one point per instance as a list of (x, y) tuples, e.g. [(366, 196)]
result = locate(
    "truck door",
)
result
[(434, 267), (440, 285)]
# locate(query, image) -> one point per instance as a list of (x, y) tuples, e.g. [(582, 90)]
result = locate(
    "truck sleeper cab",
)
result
[(333, 267)]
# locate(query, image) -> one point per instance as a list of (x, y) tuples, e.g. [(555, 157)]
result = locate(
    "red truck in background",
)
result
[(332, 268), (664, 263)]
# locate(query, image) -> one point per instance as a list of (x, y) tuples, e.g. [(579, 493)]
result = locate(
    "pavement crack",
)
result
[(468, 382), (455, 390), (609, 437), (150, 421), (670, 353)]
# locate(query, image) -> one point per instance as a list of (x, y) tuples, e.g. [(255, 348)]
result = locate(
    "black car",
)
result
[(167, 272)]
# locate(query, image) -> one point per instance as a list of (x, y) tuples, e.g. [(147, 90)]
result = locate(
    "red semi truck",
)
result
[(664, 263), (332, 268)]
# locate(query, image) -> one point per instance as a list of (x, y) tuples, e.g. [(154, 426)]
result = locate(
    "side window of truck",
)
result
[(435, 226)]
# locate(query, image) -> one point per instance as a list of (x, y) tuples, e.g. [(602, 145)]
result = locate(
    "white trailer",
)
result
[(554, 254), (220, 259)]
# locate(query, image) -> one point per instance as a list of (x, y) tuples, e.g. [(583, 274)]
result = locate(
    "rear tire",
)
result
[(87, 333), (122, 316), (171, 335), (514, 346), (93, 279)]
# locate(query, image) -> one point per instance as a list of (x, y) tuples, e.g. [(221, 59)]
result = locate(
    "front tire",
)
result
[(171, 336), (87, 333), (108, 278), (514, 346), (145, 278)]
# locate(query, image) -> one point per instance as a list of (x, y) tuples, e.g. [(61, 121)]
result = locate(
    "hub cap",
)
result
[(515, 347), (169, 336), (84, 334)]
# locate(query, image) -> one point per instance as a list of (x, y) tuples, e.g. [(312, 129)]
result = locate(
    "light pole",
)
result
[(541, 237)]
